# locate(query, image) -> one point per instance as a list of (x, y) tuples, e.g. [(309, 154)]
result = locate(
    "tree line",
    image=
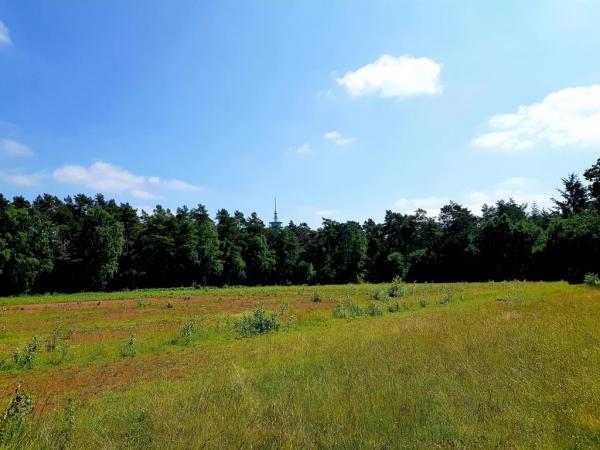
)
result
[(83, 243)]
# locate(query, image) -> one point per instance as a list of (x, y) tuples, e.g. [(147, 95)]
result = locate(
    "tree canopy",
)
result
[(85, 243)]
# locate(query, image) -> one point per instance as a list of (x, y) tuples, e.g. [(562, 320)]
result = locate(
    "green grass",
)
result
[(488, 365)]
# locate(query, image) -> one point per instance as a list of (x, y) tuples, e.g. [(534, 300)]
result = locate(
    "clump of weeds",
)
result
[(190, 331), (374, 309), (12, 420), (348, 309), (397, 288), (24, 358), (129, 350), (259, 322)]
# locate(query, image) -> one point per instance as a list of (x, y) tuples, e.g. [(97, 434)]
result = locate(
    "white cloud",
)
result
[(304, 149), (100, 176), (391, 76), (327, 213), (520, 189), (22, 179), (4, 35), (518, 182), (104, 177), (14, 148), (569, 117), (141, 194), (325, 95), (474, 200), (179, 185), (340, 140), (430, 204)]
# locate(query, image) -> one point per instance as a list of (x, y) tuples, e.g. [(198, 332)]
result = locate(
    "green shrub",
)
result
[(286, 317), (259, 322), (592, 279), (374, 309), (446, 298), (189, 332), (379, 295), (24, 358), (170, 304), (348, 309), (423, 302), (316, 297), (129, 349), (397, 288), (394, 307), (12, 420)]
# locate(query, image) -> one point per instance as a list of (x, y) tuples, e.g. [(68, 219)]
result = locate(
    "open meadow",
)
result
[(492, 365)]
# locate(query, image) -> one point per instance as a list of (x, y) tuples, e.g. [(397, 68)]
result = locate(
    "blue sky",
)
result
[(342, 109)]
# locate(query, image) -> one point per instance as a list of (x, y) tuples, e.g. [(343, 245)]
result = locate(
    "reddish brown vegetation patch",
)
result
[(54, 387)]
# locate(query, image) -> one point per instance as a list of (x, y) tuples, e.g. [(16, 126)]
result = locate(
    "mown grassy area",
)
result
[(488, 365)]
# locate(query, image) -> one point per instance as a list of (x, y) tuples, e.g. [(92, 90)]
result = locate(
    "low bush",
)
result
[(190, 331), (23, 358), (379, 295), (374, 309), (592, 279), (394, 307), (397, 288), (286, 317), (12, 420), (446, 298), (316, 297), (348, 309), (423, 302), (259, 322), (129, 349)]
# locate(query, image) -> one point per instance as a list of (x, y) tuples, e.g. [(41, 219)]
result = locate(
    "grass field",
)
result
[(487, 365)]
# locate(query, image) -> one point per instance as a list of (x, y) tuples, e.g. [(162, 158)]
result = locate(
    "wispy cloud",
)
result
[(569, 117), (520, 189), (179, 185), (391, 76), (430, 204), (339, 139), (517, 182), (304, 149), (14, 148), (100, 176), (326, 94), (141, 194), (21, 179), (105, 177), (327, 213), (4, 35)]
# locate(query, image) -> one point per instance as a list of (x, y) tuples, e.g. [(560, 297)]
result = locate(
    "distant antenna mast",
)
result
[(275, 223)]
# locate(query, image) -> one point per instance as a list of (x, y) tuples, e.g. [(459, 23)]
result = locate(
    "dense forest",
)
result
[(84, 243)]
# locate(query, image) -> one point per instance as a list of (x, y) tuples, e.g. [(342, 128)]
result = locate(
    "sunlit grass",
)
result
[(490, 365)]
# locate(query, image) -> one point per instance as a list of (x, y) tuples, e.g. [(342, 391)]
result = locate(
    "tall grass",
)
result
[(498, 365)]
